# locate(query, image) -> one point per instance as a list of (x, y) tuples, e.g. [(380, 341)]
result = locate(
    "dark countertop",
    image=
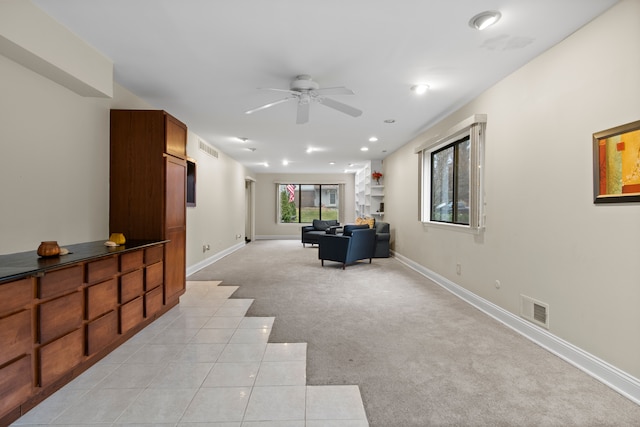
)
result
[(22, 264)]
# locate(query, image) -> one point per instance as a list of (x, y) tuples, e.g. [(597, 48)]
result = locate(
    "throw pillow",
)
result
[(371, 222)]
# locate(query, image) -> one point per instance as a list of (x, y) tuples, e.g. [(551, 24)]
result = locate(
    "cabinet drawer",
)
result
[(60, 356), (16, 383), (59, 316), (155, 276), (153, 254), (153, 302), (60, 281), (131, 314), (102, 332), (131, 261), (15, 295), (176, 136), (101, 298), (131, 285), (103, 269), (15, 336)]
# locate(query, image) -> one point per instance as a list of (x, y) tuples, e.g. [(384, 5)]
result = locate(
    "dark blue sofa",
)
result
[(311, 233)]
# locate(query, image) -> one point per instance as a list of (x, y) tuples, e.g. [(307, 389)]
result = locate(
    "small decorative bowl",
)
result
[(117, 238), (49, 248)]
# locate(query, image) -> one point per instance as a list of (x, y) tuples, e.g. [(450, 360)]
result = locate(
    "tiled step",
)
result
[(203, 362)]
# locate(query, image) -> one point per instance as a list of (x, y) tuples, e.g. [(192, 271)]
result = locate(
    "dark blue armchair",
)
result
[(356, 243)]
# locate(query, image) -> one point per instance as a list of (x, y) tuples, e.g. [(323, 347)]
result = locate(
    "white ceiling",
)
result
[(204, 60)]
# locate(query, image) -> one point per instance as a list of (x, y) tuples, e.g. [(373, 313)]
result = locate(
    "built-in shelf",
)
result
[(369, 193)]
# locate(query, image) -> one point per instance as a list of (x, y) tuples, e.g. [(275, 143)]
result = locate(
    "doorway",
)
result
[(250, 211)]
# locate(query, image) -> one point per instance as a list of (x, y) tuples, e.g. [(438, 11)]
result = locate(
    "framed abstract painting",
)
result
[(616, 164)]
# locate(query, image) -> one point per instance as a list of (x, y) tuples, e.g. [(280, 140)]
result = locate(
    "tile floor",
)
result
[(202, 364)]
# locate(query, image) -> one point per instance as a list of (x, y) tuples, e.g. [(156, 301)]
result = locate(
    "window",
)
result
[(450, 183), (451, 176), (302, 203)]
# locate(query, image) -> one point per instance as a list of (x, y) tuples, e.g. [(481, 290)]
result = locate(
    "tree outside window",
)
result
[(450, 183)]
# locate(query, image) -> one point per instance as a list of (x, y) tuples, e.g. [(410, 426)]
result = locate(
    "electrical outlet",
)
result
[(458, 269)]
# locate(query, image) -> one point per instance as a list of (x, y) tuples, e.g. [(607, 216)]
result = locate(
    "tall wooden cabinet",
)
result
[(148, 186)]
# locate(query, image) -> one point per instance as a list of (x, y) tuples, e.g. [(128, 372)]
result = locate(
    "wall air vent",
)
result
[(208, 149), (534, 311)]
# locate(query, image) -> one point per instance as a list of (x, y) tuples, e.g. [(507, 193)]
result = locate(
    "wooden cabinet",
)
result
[(61, 319), (148, 187)]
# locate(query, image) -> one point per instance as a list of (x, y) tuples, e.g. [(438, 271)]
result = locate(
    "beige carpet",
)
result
[(421, 356)]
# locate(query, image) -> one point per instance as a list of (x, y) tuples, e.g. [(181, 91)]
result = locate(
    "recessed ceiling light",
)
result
[(390, 121), (373, 139), (285, 162), (266, 164), (485, 19), (332, 163), (243, 139), (252, 149), (310, 150), (364, 149), (420, 89)]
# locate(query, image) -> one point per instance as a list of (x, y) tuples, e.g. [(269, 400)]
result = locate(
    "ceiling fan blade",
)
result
[(293, 92), (271, 104), (334, 91), (344, 108), (303, 113)]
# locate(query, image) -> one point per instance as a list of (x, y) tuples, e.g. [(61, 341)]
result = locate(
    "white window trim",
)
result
[(473, 126)]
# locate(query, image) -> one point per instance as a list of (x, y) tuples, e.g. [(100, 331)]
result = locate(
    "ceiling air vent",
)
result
[(208, 149), (534, 311)]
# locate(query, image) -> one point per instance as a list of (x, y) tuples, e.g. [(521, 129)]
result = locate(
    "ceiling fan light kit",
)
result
[(306, 91)]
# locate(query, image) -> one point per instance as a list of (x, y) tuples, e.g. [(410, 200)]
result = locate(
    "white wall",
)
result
[(219, 215), (54, 168), (544, 236), (266, 201)]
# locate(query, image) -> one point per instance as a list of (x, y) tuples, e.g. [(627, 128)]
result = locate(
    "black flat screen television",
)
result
[(191, 183)]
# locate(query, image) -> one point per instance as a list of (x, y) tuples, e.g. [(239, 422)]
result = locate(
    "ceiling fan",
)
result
[(305, 91)]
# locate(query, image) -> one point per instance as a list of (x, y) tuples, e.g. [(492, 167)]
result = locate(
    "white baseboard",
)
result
[(609, 375), (206, 262), (278, 237)]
